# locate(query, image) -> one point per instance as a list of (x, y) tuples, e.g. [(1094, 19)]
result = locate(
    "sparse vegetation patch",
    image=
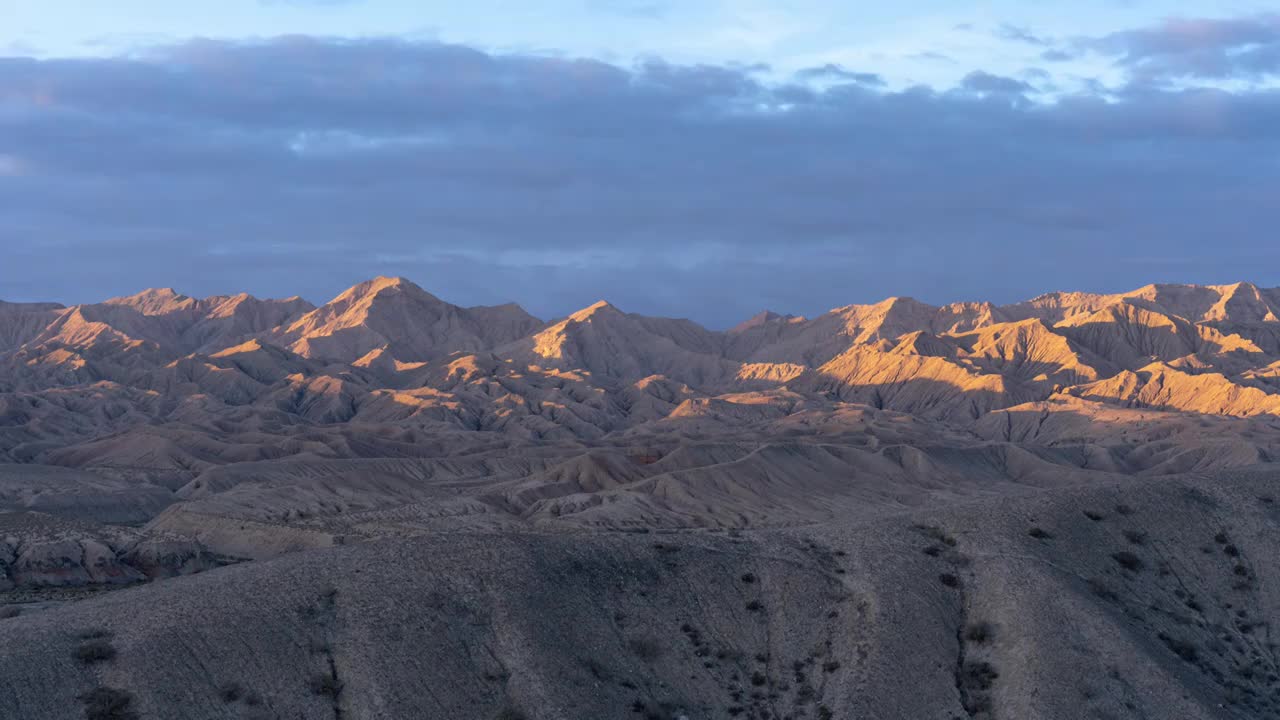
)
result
[(95, 650), (325, 684), (645, 647), (980, 633), (1128, 561), (106, 703)]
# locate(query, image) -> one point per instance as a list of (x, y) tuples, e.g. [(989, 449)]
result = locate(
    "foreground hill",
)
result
[(1149, 598)]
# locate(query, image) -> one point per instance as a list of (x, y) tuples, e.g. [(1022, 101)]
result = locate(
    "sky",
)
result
[(703, 159)]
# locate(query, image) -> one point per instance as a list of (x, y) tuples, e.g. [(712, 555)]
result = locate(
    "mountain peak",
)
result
[(764, 317), (596, 309), (378, 286), (396, 281), (157, 292), (395, 313), (155, 301)]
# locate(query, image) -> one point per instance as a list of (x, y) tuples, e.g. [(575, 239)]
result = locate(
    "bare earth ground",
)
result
[(392, 507)]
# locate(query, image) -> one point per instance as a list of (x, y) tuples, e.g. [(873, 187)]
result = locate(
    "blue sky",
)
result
[(698, 159)]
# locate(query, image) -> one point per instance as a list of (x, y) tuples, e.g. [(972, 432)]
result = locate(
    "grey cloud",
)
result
[(301, 165), (1058, 55), (984, 82), (832, 71), (1018, 33), (931, 55), (1196, 48)]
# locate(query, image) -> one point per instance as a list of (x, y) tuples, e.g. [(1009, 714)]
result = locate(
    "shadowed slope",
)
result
[(1012, 608)]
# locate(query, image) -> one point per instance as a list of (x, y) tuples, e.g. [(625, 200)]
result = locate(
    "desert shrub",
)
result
[(1040, 533), (979, 675), (729, 653), (1128, 561), (1181, 648), (831, 666), (1135, 536), (755, 606), (748, 578), (949, 580), (510, 712), (106, 703), (1221, 538), (933, 551), (653, 710), (230, 692), (645, 648), (1100, 589), (10, 611), (980, 632), (825, 713), (597, 669), (1094, 515), (936, 533), (1231, 550), (805, 692), (325, 684), (758, 678), (95, 651), (1124, 509)]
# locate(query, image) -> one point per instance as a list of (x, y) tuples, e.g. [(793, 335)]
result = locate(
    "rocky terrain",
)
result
[(391, 506)]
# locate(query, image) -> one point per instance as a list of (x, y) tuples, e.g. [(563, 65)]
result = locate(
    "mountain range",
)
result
[(224, 378)]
